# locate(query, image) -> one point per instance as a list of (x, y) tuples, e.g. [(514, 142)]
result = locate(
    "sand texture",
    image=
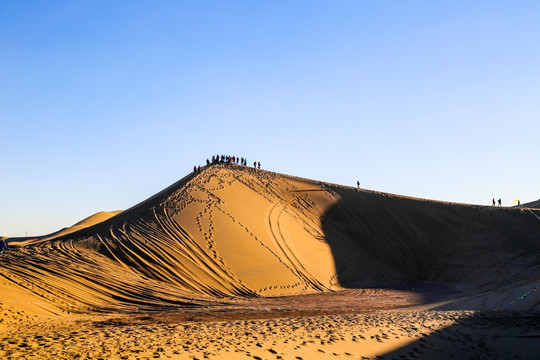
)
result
[(235, 262)]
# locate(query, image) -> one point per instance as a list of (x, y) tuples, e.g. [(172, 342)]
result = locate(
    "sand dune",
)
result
[(533, 204), (237, 231), (232, 236), (87, 222)]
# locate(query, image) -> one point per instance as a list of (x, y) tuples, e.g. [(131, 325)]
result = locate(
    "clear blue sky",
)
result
[(104, 103)]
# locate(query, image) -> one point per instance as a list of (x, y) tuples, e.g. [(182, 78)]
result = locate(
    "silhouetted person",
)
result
[(493, 202), (194, 169), (499, 201), (254, 164), (259, 164), (207, 162), (3, 246), (358, 184)]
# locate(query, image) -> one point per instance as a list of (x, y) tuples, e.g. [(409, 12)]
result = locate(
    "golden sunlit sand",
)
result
[(239, 263)]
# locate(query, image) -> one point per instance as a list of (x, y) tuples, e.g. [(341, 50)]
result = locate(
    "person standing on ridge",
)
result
[(499, 201), (254, 164), (493, 202), (358, 184), (3, 246), (259, 164)]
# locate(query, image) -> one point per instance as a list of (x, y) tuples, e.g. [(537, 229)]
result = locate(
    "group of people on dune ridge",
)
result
[(227, 159)]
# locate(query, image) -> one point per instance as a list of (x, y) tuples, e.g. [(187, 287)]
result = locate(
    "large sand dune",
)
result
[(231, 233), (233, 230)]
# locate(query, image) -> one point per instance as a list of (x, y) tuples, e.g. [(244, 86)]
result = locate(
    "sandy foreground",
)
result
[(352, 324), (388, 335), (238, 263)]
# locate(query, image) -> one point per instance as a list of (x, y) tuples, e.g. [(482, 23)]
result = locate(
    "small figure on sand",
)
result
[(259, 164), (358, 184), (499, 201), (3, 246), (493, 202)]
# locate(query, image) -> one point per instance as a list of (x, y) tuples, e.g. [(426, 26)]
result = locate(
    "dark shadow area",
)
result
[(428, 292), (389, 241), (486, 335)]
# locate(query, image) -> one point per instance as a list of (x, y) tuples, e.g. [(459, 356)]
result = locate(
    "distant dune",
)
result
[(237, 231), (87, 222), (533, 204), (83, 224)]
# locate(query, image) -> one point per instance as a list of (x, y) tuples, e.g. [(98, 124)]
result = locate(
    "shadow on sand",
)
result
[(478, 335)]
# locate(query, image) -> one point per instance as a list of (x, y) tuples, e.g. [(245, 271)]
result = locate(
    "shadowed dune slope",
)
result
[(384, 238), (236, 231)]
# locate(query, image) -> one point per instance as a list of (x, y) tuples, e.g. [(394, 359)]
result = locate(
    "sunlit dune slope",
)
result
[(238, 231)]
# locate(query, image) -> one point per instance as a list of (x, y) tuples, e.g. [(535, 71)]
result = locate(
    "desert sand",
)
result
[(239, 263)]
